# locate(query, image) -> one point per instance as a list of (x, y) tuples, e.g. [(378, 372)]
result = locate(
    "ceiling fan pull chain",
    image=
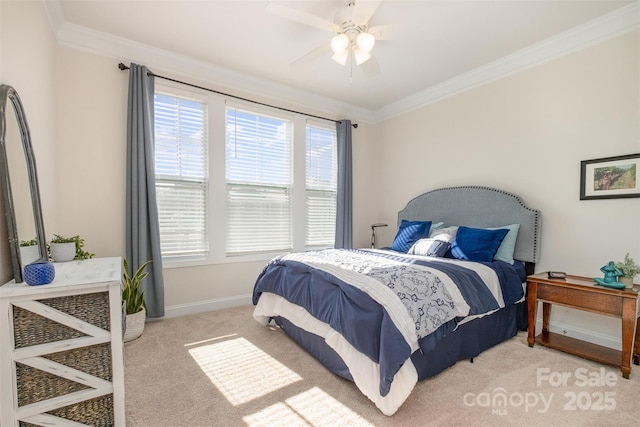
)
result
[(351, 70)]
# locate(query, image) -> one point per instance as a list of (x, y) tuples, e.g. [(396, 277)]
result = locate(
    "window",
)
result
[(181, 138), (240, 182), (258, 183), (321, 186)]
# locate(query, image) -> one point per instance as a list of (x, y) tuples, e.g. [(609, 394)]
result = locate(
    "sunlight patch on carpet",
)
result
[(275, 415), (222, 337), (313, 407), (241, 371)]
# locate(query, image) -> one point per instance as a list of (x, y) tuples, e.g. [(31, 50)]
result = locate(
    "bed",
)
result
[(450, 286)]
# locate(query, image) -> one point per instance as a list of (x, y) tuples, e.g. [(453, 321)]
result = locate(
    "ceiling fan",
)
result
[(353, 37)]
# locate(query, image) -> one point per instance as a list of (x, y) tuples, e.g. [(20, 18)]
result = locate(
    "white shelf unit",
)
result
[(61, 359)]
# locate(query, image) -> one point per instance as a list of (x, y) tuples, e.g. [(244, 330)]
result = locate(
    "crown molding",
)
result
[(611, 25), (614, 24), (180, 66)]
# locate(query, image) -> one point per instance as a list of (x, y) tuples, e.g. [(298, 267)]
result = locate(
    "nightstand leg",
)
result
[(532, 308), (628, 331), (636, 346), (546, 314)]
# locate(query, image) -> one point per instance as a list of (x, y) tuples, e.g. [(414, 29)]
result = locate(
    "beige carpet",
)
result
[(223, 369)]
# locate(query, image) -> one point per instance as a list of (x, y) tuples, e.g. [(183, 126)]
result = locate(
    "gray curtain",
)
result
[(143, 230), (344, 210)]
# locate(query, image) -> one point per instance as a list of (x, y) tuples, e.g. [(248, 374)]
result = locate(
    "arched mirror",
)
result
[(20, 189)]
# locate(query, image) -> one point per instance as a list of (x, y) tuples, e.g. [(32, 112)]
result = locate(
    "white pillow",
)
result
[(435, 247), (448, 231)]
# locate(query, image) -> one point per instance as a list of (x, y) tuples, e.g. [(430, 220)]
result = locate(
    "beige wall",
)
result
[(28, 59), (92, 137), (527, 134)]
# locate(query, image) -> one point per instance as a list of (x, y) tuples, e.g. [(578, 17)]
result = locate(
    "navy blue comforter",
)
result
[(388, 305)]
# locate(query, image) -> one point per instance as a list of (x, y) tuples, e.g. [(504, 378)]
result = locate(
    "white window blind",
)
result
[(321, 186), (181, 139), (258, 183)]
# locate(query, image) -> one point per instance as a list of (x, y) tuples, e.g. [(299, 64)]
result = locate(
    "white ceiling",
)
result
[(438, 40)]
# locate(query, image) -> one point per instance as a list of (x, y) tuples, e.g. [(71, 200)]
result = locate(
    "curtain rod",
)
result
[(123, 67)]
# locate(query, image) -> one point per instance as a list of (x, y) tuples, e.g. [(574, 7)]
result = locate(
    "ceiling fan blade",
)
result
[(312, 55), (382, 32), (301, 17), (363, 10), (407, 33), (371, 68)]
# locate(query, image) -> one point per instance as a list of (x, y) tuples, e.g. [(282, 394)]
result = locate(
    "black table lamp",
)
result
[(373, 232)]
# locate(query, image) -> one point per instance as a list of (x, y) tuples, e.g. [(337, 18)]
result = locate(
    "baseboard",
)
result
[(203, 306), (582, 334), (236, 301)]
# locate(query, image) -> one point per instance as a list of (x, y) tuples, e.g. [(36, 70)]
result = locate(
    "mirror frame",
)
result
[(8, 93)]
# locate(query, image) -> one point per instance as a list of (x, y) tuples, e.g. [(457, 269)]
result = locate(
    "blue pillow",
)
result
[(408, 233), (477, 244)]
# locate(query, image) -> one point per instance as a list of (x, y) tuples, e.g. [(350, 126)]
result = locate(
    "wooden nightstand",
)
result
[(583, 293)]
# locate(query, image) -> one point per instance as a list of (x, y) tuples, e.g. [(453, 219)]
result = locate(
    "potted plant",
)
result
[(63, 249), (133, 300), (629, 270)]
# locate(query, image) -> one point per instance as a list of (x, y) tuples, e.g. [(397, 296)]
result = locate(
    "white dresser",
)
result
[(61, 360)]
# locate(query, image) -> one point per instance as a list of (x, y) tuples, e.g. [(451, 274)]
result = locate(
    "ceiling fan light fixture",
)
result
[(360, 56), (365, 41), (341, 57), (340, 43)]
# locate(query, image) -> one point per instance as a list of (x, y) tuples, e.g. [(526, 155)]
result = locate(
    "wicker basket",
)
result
[(34, 385), (96, 412)]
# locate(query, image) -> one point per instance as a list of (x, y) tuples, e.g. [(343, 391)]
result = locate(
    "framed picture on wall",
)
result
[(610, 177)]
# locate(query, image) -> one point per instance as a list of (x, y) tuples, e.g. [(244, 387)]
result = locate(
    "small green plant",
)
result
[(628, 267), (132, 293), (32, 242), (80, 252)]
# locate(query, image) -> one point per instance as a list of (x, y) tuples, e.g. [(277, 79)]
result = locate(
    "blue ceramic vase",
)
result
[(39, 273)]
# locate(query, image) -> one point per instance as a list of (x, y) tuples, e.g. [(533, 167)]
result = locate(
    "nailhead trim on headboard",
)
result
[(465, 205)]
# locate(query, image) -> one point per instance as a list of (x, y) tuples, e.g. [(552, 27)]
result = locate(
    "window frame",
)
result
[(197, 96), (217, 105), (322, 125), (289, 187)]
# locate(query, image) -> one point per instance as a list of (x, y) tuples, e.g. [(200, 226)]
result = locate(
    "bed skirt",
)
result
[(467, 341)]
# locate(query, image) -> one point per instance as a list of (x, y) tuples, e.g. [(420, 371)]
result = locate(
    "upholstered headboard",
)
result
[(480, 207)]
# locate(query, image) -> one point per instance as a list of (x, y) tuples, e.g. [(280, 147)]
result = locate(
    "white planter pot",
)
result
[(628, 281), (62, 252), (134, 325)]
